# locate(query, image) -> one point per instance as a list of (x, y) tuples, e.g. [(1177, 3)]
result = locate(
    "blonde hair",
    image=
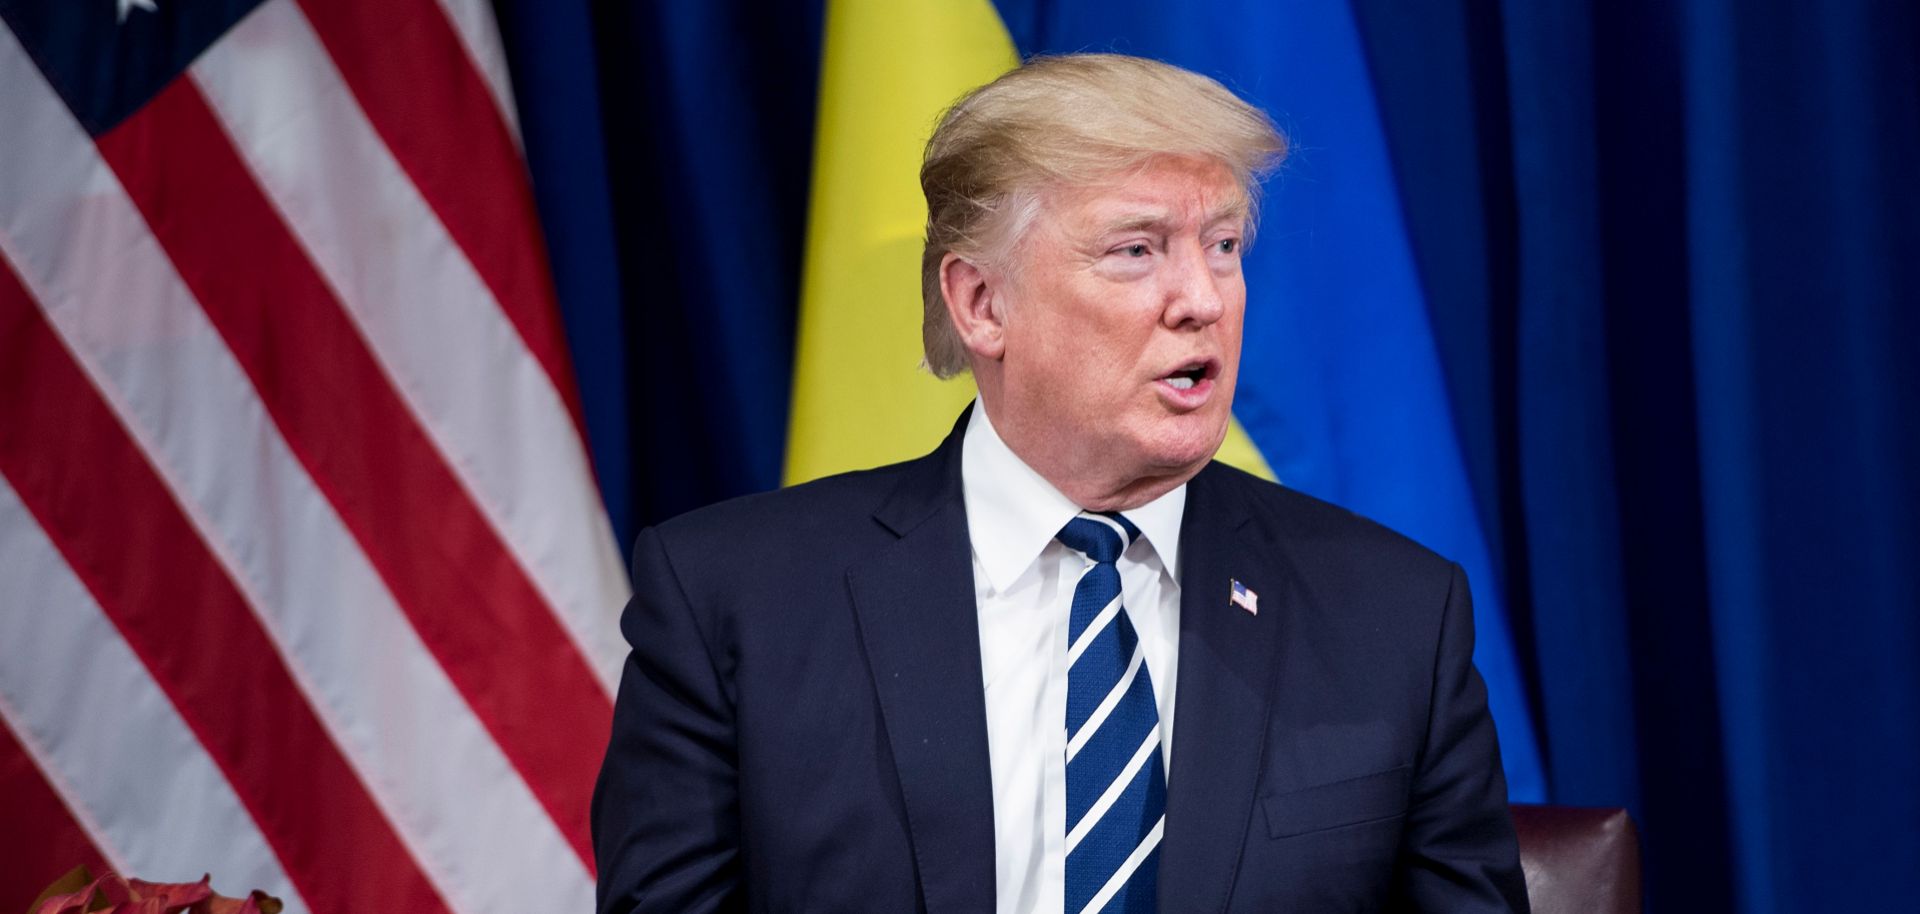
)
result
[(1066, 121)]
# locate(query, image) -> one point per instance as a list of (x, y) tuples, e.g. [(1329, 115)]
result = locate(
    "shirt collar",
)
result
[(1013, 512)]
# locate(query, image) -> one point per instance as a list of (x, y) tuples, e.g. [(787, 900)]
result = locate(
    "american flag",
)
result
[(1244, 598), (304, 578)]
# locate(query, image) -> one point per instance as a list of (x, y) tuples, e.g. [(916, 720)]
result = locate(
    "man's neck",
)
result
[(1086, 479), (1013, 511)]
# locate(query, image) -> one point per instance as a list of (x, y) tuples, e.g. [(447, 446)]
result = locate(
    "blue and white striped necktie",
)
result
[(1116, 785)]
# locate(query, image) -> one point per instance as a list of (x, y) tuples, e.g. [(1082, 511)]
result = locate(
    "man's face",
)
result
[(1123, 322)]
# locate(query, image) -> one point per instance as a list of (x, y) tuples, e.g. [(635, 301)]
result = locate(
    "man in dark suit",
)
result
[(951, 685)]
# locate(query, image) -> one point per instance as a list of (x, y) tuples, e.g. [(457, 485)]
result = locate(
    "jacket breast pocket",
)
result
[(1353, 801)]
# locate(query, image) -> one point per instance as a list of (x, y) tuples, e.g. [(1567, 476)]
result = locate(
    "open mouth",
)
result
[(1186, 376)]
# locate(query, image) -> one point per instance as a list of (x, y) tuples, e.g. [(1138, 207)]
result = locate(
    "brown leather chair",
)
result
[(1579, 861)]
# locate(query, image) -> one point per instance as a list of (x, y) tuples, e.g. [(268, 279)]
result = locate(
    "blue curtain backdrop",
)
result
[(1670, 255)]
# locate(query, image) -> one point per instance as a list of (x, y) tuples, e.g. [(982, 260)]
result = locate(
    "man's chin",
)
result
[(1182, 461), (1151, 455), (1190, 442)]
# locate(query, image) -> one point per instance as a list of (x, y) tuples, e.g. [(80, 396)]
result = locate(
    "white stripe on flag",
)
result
[(450, 351), (108, 739), (107, 288)]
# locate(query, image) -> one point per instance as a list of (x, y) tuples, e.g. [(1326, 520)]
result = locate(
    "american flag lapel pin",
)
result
[(1245, 598)]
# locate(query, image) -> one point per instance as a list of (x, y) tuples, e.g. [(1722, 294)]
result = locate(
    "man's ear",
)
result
[(974, 303)]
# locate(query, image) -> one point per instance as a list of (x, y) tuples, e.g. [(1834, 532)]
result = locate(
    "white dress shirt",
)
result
[(1023, 582)]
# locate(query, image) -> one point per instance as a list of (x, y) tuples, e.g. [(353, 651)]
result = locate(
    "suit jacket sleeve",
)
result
[(666, 831), (1459, 850)]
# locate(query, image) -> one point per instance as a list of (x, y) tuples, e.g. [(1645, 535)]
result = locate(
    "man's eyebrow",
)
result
[(1238, 209), (1135, 222)]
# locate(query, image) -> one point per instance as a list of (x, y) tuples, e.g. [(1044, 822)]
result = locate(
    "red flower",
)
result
[(111, 894)]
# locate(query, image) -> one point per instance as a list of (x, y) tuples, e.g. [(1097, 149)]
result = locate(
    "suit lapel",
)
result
[(1226, 671), (920, 630)]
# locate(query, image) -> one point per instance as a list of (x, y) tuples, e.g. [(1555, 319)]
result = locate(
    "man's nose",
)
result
[(1193, 289)]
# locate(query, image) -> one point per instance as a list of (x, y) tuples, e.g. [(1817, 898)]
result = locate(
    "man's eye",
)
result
[(1136, 250), (1229, 245)]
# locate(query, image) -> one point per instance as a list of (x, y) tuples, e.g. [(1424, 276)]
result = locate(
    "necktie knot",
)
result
[(1101, 537)]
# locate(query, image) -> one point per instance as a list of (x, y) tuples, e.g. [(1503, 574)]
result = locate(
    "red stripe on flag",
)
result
[(41, 839), (460, 585), (112, 518), (429, 102)]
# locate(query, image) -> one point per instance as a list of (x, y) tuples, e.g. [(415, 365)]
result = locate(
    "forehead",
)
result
[(1175, 191)]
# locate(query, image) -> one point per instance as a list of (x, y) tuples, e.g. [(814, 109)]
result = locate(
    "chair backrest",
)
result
[(1579, 861)]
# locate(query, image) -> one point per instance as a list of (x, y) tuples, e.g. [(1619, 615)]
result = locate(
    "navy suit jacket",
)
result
[(801, 725)]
